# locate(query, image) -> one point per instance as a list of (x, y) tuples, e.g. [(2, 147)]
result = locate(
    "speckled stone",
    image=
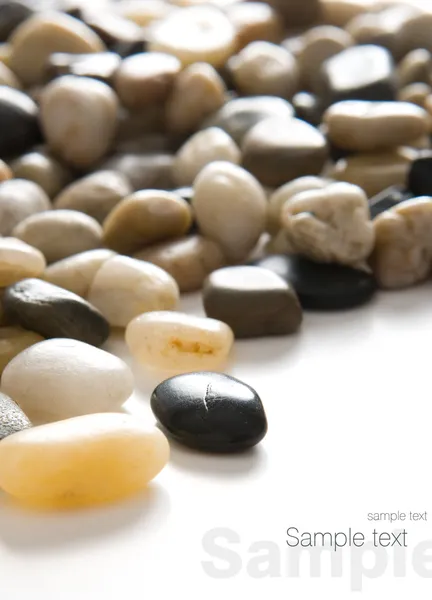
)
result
[(210, 411), (18, 122), (12, 418)]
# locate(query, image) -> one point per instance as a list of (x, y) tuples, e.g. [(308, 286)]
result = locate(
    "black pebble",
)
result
[(54, 312), (210, 411), (12, 14), (12, 418), (388, 198), (19, 128), (321, 286), (420, 175)]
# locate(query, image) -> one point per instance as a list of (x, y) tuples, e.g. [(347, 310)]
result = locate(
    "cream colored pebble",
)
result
[(18, 200), (204, 147), (18, 260), (44, 170), (124, 288), (179, 342), (144, 13)]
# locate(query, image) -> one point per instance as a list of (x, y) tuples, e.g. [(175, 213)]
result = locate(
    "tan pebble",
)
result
[(369, 126), (14, 340), (204, 147), (189, 260), (124, 287), (44, 170), (254, 21), (18, 261), (8, 77), (5, 54), (178, 342), (340, 12), (60, 233), (145, 78), (230, 208), (144, 13), (415, 67), (5, 172), (38, 37), (415, 33), (403, 247), (76, 273), (95, 195), (263, 68), (330, 224), (79, 119), (18, 200), (298, 13), (143, 171), (195, 34), (415, 93), (198, 92)]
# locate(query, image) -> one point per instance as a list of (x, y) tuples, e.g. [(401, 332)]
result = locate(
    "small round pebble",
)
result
[(254, 21), (210, 411), (18, 260), (44, 170), (12, 418), (18, 122), (20, 199), (144, 171), (14, 340)]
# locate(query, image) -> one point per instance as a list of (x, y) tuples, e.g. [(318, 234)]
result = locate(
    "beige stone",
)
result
[(8, 77), (416, 93), (414, 34), (415, 67), (18, 200), (14, 340), (18, 260), (340, 12), (144, 13), (44, 170), (178, 342), (254, 21)]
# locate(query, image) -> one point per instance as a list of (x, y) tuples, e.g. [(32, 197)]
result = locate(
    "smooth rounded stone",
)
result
[(18, 260), (307, 107), (44, 170), (195, 34), (403, 249), (318, 45), (230, 208), (18, 122), (298, 13), (97, 459), (12, 14), (5, 172), (143, 13), (253, 301), (264, 69), (415, 67), (364, 126), (202, 148), (284, 193), (18, 200), (322, 286), (8, 77), (279, 150), (38, 37), (95, 195), (124, 288), (240, 115), (341, 12), (143, 171), (388, 198), (120, 35), (420, 175), (254, 21), (146, 78), (188, 260), (144, 218), (12, 418), (210, 411), (100, 65), (14, 340), (358, 73), (53, 312), (79, 119), (414, 34), (416, 93), (174, 341), (60, 233), (374, 172)]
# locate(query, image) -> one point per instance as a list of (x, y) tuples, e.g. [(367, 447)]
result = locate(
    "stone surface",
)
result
[(120, 35), (14, 340), (420, 175), (98, 458), (44, 170), (415, 67), (53, 312), (414, 34), (388, 198), (18, 200), (143, 171), (322, 286), (210, 411), (18, 260), (12, 418), (416, 93), (298, 13), (100, 65), (12, 14), (254, 21), (178, 342), (18, 122)]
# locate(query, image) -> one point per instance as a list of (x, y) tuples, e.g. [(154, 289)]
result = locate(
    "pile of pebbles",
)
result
[(275, 155)]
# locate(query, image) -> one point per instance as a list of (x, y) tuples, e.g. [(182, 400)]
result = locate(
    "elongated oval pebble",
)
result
[(12, 418), (179, 342), (14, 340), (18, 260), (83, 461)]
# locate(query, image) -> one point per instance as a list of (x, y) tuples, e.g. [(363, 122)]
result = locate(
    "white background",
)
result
[(348, 402)]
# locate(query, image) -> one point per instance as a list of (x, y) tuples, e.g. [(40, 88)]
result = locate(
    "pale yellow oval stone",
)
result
[(81, 461), (175, 341), (18, 260), (14, 340)]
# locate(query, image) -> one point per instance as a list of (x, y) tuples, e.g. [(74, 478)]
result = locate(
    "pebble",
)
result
[(415, 67), (120, 35), (198, 91), (298, 13), (18, 200), (201, 149), (416, 93), (195, 34), (124, 288), (330, 224), (210, 411), (254, 21), (144, 218), (79, 119), (98, 459), (420, 175), (230, 208), (145, 79), (388, 198), (414, 34), (365, 126), (48, 32), (253, 301), (7, 77), (403, 249), (279, 150), (43, 169), (178, 342), (100, 65), (143, 171), (18, 260), (53, 312), (188, 260), (144, 13), (14, 340), (12, 418), (340, 12), (264, 69), (307, 107), (322, 286), (76, 273), (95, 195), (5, 172), (12, 14), (18, 122), (60, 233)]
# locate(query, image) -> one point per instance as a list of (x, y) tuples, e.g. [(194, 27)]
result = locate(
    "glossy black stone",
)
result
[(54, 312), (322, 286), (388, 198), (12, 418), (420, 175), (210, 411), (12, 14), (19, 128), (101, 65)]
